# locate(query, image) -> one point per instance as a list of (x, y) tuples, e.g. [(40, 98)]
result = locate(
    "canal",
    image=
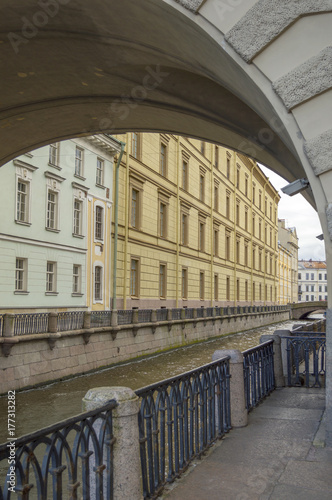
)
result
[(37, 408)]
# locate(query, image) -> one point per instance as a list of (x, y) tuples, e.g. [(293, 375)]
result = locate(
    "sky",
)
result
[(299, 214)]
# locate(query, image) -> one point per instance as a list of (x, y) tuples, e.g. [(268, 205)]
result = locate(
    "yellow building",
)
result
[(197, 226), (288, 263)]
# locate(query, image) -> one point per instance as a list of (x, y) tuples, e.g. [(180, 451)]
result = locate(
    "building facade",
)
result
[(312, 281), (288, 263), (197, 226), (49, 245)]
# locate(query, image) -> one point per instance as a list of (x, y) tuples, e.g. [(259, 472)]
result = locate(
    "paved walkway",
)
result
[(278, 456)]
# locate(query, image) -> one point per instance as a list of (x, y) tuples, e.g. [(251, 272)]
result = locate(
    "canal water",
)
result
[(37, 408)]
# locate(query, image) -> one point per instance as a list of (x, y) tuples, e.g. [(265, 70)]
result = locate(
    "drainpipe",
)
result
[(116, 210)]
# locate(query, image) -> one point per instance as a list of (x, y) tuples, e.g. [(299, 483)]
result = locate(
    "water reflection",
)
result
[(38, 408)]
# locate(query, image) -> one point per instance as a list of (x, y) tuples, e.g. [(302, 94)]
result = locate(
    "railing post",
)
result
[(239, 414), (126, 457), (114, 318), (283, 348), (277, 359), (8, 325), (87, 320), (53, 322)]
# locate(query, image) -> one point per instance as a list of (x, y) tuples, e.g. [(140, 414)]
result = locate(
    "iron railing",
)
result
[(70, 320), (162, 314), (179, 419), (125, 317), (144, 315), (100, 318), (26, 324), (258, 370), (176, 313), (71, 459), (306, 360)]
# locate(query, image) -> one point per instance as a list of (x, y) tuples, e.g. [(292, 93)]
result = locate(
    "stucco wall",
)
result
[(32, 361)]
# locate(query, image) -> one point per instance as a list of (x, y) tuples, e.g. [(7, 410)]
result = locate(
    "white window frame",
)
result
[(79, 162), (77, 279), (99, 206), (53, 155), (98, 299), (26, 214), (100, 172), (134, 284), (55, 204), (78, 222), (51, 277), (21, 275)]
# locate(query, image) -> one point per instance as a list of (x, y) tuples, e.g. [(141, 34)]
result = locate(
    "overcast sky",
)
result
[(299, 214)]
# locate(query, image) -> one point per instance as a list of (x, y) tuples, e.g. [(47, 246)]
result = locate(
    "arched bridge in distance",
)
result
[(302, 310)]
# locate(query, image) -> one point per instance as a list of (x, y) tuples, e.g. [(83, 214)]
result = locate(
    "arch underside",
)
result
[(106, 67)]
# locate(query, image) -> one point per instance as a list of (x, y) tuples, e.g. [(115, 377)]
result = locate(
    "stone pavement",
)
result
[(278, 456)]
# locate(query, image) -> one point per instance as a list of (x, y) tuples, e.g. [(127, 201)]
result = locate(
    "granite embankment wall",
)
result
[(30, 360)]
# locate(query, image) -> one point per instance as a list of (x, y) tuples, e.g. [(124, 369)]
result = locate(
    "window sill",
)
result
[(80, 177), (51, 293), (22, 223), (52, 230), (77, 294), (21, 292), (101, 186), (78, 235), (54, 166)]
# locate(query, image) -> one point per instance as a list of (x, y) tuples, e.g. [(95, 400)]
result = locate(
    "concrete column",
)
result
[(154, 315), (87, 320), (239, 414), (53, 322), (135, 316), (126, 456), (8, 325), (328, 378), (283, 348), (114, 318), (277, 360)]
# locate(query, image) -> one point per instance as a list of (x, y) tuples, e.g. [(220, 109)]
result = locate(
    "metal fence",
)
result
[(125, 317), (258, 370), (100, 318), (162, 314), (179, 419), (72, 320), (306, 360), (144, 315), (71, 459), (27, 324)]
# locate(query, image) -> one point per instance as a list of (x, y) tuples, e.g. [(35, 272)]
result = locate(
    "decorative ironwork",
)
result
[(200, 312), (176, 313), (189, 313), (70, 320), (26, 324), (179, 419), (258, 369), (144, 315), (75, 454), (100, 318), (209, 312), (306, 360), (162, 314)]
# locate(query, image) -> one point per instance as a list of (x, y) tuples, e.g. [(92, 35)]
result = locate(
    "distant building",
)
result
[(197, 226), (55, 226), (288, 263), (312, 281)]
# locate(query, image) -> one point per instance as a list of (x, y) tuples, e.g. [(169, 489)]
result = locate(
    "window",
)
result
[(78, 205), (228, 203), (216, 287), (238, 178), (238, 213), (77, 277), (99, 223), (98, 283), (253, 193), (253, 225), (299, 276), (307, 276), (54, 154), (246, 261), (312, 288), (228, 167), (136, 145), (184, 229), (216, 242), (21, 275), (246, 185), (162, 281), (134, 270), (253, 258), (201, 243), (320, 288), (22, 205), (228, 288), (246, 290), (216, 156), (201, 187), (184, 283), (238, 251), (237, 290), (203, 147), (52, 210), (163, 160), (260, 200), (228, 246), (246, 219), (51, 277), (260, 229), (201, 285), (312, 276), (319, 276), (162, 219), (79, 162), (312, 298), (216, 197), (100, 172), (185, 175)]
